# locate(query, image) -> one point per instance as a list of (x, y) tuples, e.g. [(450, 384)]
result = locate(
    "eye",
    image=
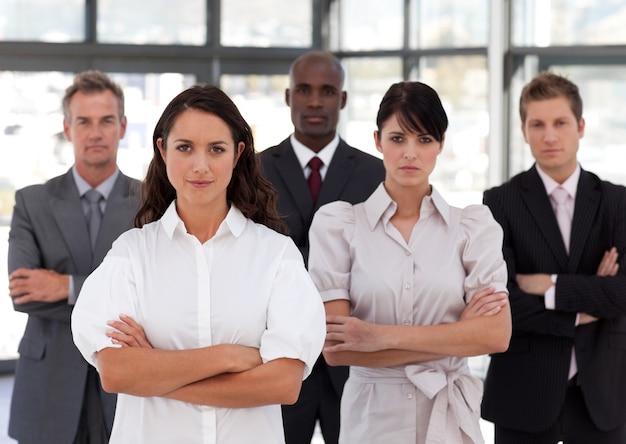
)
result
[(397, 139), (425, 139), (329, 92), (217, 149), (183, 148)]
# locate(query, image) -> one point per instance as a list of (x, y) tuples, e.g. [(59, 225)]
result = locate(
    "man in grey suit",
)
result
[(316, 97), (57, 396)]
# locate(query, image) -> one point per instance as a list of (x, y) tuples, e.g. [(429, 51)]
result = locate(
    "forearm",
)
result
[(151, 372), (471, 337), (275, 382), (383, 358)]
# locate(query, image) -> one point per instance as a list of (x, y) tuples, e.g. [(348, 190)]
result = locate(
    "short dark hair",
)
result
[(90, 82), (417, 107), (548, 85), (248, 190)]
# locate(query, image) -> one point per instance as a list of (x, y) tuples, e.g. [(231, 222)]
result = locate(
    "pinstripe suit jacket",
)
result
[(49, 230), (525, 386)]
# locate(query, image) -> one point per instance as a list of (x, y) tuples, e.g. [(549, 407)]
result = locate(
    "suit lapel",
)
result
[(289, 168), (337, 176), (117, 217), (536, 200), (70, 218), (588, 198)]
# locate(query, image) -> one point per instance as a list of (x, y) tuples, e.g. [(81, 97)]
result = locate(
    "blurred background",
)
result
[(476, 53)]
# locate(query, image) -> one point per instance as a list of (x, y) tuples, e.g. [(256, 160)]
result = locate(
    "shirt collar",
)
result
[(104, 188), (304, 154), (380, 207), (570, 184), (234, 223)]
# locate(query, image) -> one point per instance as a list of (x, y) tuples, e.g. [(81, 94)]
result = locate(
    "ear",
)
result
[(344, 99), (159, 143), (377, 141), (442, 143), (524, 132), (66, 130), (123, 124), (581, 128), (240, 147), (287, 94)]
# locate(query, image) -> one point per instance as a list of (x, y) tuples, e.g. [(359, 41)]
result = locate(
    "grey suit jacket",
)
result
[(525, 386), (49, 230)]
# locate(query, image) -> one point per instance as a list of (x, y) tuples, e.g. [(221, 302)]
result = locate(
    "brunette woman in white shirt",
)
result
[(412, 286), (204, 320)]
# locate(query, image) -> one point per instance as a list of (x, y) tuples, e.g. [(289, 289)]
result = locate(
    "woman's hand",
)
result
[(484, 303), (242, 358), (128, 333), (352, 334)]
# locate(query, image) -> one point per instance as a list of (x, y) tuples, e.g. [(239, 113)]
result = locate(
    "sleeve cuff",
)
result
[(549, 297)]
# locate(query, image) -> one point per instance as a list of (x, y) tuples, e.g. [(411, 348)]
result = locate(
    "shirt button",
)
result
[(409, 396), (408, 253), (407, 286), (407, 322)]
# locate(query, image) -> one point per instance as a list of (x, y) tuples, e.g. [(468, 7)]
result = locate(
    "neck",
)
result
[(95, 175), (408, 199), (202, 221)]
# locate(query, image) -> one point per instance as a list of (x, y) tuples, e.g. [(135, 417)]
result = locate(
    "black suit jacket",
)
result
[(525, 386), (351, 176)]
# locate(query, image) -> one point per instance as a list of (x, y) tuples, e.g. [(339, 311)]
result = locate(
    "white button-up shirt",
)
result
[(247, 285)]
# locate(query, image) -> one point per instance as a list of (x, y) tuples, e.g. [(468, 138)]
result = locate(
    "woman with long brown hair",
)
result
[(203, 318)]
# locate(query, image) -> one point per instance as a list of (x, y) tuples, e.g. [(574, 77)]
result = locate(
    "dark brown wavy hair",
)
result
[(248, 190)]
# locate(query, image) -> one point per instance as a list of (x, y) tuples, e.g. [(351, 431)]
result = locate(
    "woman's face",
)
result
[(200, 158), (409, 157)]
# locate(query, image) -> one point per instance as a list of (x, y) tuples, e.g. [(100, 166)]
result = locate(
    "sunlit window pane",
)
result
[(603, 148), (367, 79), (576, 22), (449, 23), (156, 22), (267, 23), (34, 148), (367, 25), (462, 83), (58, 21), (261, 101)]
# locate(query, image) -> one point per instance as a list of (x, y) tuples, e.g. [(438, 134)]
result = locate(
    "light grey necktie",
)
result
[(560, 196), (94, 214)]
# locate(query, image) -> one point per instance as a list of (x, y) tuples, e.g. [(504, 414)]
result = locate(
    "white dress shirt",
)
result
[(247, 285)]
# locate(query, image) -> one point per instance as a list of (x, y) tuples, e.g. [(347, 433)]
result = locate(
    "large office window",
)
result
[(59, 21), (152, 22), (267, 23), (246, 47)]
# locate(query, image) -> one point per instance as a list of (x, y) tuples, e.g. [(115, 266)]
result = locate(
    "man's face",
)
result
[(553, 133), (95, 128), (315, 98)]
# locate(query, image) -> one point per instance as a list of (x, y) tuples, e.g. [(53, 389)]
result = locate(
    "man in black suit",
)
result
[(564, 374), (316, 97)]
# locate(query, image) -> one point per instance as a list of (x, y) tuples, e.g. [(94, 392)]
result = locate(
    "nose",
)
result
[(410, 151), (550, 135), (201, 163), (315, 100)]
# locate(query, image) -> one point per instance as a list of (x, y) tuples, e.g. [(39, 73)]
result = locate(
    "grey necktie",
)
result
[(94, 214)]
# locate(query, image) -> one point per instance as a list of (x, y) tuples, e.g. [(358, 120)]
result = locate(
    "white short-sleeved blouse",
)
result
[(247, 285), (358, 255)]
